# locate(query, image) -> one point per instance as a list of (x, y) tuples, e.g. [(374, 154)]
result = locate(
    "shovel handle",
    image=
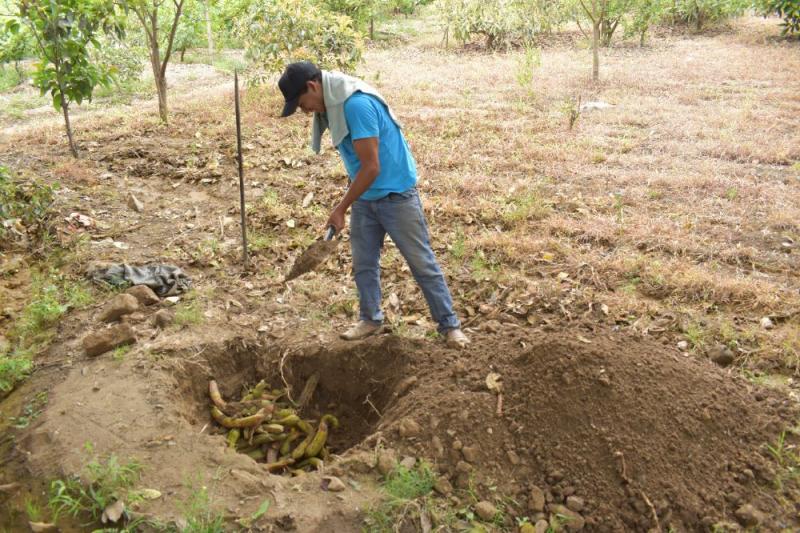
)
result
[(329, 233)]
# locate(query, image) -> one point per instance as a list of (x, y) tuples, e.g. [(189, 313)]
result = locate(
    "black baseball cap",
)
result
[(293, 83)]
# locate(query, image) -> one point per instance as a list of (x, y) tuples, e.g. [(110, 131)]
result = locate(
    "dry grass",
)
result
[(676, 202)]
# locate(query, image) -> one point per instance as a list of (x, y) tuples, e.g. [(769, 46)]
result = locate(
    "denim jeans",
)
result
[(400, 215)]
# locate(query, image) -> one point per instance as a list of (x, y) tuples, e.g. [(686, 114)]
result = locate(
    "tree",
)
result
[(63, 31), (14, 47), (209, 32), (276, 32), (148, 11), (190, 29), (597, 12)]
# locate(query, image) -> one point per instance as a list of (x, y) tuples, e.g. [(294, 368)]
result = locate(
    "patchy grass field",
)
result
[(669, 216)]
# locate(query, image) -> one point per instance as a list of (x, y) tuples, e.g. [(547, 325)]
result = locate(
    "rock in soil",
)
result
[(749, 515), (536, 500), (144, 295), (470, 453), (409, 428), (135, 204), (332, 484), (575, 503), (722, 355), (408, 462), (571, 520), (121, 304), (387, 461), (541, 526), (107, 339), (513, 458), (485, 510), (163, 318), (443, 486)]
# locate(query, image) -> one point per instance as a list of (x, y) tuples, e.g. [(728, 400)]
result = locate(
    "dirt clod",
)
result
[(485, 510), (536, 499), (470, 453), (575, 503), (541, 526), (163, 318), (749, 516), (387, 461), (144, 295), (572, 521), (513, 458), (722, 355), (332, 484), (107, 339), (408, 427), (443, 486), (120, 305)]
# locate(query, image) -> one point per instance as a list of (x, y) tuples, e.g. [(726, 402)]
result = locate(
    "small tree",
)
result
[(276, 32), (148, 11), (63, 31), (596, 12), (14, 47), (190, 29), (643, 15)]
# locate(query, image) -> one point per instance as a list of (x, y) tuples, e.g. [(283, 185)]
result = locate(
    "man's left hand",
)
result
[(336, 219)]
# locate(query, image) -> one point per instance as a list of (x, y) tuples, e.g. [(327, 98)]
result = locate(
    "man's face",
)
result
[(312, 100)]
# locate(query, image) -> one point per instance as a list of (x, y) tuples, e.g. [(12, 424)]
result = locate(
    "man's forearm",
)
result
[(364, 179)]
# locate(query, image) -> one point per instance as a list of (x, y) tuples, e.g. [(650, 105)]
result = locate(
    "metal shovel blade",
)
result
[(313, 256)]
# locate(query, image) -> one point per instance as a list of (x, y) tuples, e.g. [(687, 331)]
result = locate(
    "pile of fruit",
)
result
[(265, 426)]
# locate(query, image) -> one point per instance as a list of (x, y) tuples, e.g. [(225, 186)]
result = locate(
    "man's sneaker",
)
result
[(362, 330), (457, 339)]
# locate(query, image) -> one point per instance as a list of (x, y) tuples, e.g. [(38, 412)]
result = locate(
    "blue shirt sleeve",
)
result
[(361, 117)]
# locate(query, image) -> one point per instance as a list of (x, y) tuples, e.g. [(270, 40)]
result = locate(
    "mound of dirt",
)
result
[(639, 437), (624, 436)]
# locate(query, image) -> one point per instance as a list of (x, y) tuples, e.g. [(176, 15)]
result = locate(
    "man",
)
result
[(382, 190)]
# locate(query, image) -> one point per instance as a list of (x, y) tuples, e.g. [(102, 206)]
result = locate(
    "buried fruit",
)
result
[(269, 430)]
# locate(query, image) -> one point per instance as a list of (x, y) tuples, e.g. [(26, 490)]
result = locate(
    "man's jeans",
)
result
[(399, 215)]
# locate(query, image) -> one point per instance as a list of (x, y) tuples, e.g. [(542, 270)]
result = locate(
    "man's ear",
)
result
[(313, 86)]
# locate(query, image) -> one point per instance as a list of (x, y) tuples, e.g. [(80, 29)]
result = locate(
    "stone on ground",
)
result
[(144, 295), (120, 305), (107, 339)]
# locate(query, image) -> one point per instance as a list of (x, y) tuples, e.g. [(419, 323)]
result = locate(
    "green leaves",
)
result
[(278, 32), (64, 31), (789, 11)]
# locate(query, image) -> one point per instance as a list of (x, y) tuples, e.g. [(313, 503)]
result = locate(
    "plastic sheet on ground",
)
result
[(165, 280)]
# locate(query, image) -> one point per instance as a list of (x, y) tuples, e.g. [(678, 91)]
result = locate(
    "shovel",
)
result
[(313, 256)]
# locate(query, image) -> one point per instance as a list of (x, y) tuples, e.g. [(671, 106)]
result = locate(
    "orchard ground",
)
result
[(599, 268)]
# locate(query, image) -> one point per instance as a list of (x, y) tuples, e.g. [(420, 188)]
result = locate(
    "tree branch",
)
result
[(589, 14), (178, 8)]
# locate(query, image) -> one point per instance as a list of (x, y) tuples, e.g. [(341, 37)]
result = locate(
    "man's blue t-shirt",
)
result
[(367, 117)]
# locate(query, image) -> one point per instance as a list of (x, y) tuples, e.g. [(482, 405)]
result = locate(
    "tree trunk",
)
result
[(72, 147), (182, 52), (208, 30), (372, 28), (161, 86), (595, 53)]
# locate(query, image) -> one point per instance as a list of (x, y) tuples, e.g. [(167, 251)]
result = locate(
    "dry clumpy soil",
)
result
[(629, 434)]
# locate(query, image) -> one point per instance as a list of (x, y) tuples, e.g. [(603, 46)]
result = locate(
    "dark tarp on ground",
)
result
[(165, 280)]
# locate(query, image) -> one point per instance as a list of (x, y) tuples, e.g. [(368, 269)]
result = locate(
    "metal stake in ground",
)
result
[(241, 168)]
